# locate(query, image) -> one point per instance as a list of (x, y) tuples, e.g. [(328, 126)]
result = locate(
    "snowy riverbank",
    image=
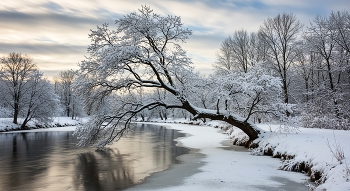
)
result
[(322, 154), (308, 151), (7, 125), (221, 167)]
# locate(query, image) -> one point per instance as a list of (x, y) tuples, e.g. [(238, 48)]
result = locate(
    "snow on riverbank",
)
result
[(7, 125), (311, 151), (224, 168)]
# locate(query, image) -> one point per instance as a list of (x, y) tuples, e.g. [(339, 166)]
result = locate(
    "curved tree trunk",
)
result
[(246, 126)]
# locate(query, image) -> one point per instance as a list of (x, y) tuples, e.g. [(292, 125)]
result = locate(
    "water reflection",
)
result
[(108, 171), (51, 161)]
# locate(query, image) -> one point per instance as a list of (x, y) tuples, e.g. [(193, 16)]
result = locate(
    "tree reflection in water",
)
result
[(102, 170)]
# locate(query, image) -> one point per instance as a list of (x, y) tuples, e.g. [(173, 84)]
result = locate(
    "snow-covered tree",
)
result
[(24, 91), (254, 94), (16, 71), (40, 101), (224, 61), (70, 103), (239, 52), (143, 52), (328, 77), (340, 22), (4, 111), (279, 34)]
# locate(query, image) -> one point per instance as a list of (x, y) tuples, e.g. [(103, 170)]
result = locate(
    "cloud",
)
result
[(50, 58), (56, 32), (28, 19), (46, 49)]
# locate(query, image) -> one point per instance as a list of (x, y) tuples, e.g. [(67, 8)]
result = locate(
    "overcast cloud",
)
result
[(55, 33)]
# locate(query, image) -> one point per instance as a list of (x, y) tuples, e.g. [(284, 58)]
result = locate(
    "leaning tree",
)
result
[(142, 52), (16, 70)]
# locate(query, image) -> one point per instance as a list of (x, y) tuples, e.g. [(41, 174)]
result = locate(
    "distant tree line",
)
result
[(27, 95)]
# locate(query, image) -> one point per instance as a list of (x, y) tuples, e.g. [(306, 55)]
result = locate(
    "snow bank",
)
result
[(7, 125), (310, 151), (225, 167)]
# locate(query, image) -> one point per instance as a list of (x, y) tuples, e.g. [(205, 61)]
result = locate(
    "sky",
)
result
[(55, 33)]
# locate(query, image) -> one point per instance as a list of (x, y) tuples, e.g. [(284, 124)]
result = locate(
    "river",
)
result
[(52, 161)]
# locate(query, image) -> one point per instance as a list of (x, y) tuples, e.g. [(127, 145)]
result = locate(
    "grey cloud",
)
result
[(53, 6), (29, 19), (6, 48), (50, 19)]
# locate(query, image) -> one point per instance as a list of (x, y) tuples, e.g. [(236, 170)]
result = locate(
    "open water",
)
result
[(52, 161)]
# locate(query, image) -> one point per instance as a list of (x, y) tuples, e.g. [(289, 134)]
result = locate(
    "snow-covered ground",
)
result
[(224, 168), (7, 125), (316, 148)]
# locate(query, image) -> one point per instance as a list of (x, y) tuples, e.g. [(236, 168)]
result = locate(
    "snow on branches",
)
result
[(252, 93), (140, 66)]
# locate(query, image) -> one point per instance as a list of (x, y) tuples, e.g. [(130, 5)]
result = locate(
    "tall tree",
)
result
[(340, 22), (224, 61), (326, 42), (240, 43), (40, 101), (142, 52), (16, 71), (279, 34), (238, 53), (64, 88)]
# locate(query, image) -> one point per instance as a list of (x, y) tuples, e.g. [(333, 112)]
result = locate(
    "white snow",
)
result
[(67, 128), (310, 145), (6, 123), (231, 170), (227, 169)]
